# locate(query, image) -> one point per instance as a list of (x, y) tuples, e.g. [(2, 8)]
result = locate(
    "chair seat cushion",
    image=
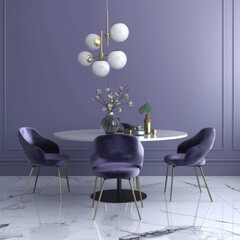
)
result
[(116, 170), (177, 159), (56, 159)]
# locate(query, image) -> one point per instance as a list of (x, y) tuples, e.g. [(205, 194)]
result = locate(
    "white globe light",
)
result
[(85, 58), (100, 68), (93, 41), (119, 32), (117, 59)]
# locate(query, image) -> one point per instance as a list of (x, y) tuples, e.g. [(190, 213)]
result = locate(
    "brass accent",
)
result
[(94, 191), (97, 41), (147, 124), (37, 175), (107, 35), (196, 173), (128, 131), (101, 55), (139, 189), (195, 169), (99, 199), (25, 188), (35, 184), (110, 113), (100, 196), (172, 183), (154, 132), (166, 179), (59, 184), (134, 197), (205, 183), (89, 58), (135, 179), (66, 174)]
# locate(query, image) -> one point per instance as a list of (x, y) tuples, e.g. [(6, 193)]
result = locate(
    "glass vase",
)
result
[(110, 123)]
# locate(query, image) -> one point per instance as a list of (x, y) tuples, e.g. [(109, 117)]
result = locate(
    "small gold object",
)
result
[(128, 131), (110, 113), (107, 35), (147, 124), (154, 132), (101, 54), (97, 41), (89, 58)]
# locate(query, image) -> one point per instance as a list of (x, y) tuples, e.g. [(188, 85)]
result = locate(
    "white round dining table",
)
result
[(88, 135), (118, 195)]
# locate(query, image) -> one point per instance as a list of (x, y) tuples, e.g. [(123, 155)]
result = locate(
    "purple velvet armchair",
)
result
[(192, 153), (41, 152), (116, 156)]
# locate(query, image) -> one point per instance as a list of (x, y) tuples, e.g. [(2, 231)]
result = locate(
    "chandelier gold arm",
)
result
[(107, 35), (97, 41), (89, 58), (102, 63), (101, 55)]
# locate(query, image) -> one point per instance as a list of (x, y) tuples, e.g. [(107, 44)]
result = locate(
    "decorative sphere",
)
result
[(84, 58), (100, 68), (119, 32), (117, 59), (93, 41)]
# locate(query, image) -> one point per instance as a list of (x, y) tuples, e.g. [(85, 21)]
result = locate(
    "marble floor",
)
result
[(190, 215)]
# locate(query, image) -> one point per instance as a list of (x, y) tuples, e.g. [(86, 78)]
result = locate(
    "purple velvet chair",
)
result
[(41, 152), (192, 153), (127, 126), (117, 156)]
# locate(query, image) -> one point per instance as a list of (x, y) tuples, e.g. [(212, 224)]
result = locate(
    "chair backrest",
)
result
[(117, 148), (35, 145), (127, 126), (197, 147)]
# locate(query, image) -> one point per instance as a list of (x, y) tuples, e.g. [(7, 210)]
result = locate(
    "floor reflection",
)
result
[(189, 216)]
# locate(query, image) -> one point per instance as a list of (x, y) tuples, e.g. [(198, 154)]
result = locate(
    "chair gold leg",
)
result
[(25, 188), (166, 179), (134, 197), (172, 183), (139, 189), (205, 183), (35, 184), (66, 174), (136, 182), (99, 199), (196, 173), (101, 182), (59, 184), (94, 191)]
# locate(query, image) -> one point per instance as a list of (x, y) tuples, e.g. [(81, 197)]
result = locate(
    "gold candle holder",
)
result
[(128, 131), (154, 132)]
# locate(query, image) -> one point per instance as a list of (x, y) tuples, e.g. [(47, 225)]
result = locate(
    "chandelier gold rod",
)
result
[(107, 35), (101, 55)]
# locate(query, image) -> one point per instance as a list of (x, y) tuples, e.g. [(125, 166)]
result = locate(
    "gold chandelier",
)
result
[(102, 63)]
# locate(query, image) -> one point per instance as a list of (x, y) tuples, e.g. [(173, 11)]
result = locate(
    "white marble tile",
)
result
[(190, 215)]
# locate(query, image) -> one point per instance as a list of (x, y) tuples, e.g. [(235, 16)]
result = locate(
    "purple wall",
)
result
[(183, 58)]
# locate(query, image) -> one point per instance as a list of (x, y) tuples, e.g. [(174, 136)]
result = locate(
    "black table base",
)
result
[(113, 196)]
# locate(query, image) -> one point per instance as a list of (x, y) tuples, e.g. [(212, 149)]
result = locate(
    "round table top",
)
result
[(88, 135)]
